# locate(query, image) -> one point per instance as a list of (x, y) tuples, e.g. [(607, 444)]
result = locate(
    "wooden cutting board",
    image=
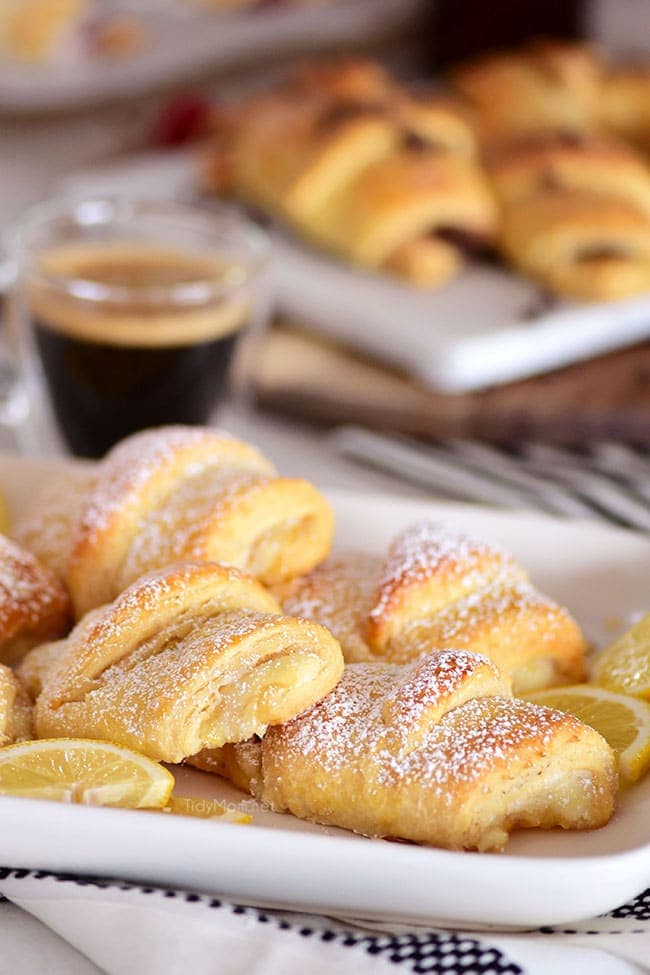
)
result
[(605, 399)]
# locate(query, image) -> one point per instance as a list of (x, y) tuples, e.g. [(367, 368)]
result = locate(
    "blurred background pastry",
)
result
[(356, 163)]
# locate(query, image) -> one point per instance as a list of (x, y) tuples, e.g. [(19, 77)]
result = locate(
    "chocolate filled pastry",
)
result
[(604, 167), (180, 493), (435, 752), (34, 606), (547, 86), (580, 245), (189, 657), (360, 166), (15, 709), (435, 589)]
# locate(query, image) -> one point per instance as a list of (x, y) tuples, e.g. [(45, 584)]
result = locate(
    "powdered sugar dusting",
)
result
[(348, 727), (430, 686), (427, 550), (162, 693), (132, 463), (184, 526), (149, 669), (519, 614), (31, 598), (338, 594), (479, 736), (47, 526)]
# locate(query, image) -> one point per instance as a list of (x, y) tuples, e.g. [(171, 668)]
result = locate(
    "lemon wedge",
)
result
[(95, 773), (205, 809), (624, 722), (625, 665)]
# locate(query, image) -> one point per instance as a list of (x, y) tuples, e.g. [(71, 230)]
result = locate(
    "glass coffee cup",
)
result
[(128, 313)]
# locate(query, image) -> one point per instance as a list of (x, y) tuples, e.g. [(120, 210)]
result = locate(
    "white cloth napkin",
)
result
[(121, 928)]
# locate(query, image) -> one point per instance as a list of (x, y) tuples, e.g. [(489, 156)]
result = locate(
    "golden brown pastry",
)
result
[(547, 86), (625, 103), (34, 606), (15, 709), (46, 526), (603, 167), (350, 79), (576, 214), (188, 657), (177, 493), (435, 752), (580, 245), (381, 177), (435, 589), (30, 30), (405, 201)]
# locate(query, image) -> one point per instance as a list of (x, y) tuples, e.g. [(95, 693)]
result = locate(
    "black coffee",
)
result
[(115, 366)]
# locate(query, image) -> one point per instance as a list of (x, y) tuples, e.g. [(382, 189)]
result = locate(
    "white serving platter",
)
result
[(552, 877), (183, 47), (488, 326)]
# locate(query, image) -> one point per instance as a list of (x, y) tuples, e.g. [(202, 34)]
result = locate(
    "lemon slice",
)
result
[(205, 809), (623, 721), (95, 773), (625, 665)]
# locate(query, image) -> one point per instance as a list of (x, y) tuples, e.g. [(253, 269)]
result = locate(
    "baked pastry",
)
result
[(15, 709), (45, 527), (435, 589), (177, 493), (576, 214), (595, 165), (435, 752), (579, 245), (625, 103), (188, 657), (547, 86), (31, 30), (383, 178), (34, 606)]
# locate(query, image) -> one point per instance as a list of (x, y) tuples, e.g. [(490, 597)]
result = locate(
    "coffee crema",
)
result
[(131, 336)]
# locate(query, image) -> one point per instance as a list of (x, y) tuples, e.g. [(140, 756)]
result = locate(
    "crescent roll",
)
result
[(579, 245), (604, 167), (34, 606), (172, 494), (546, 86), (438, 588), (33, 30), (385, 179), (46, 526), (15, 709), (188, 657), (435, 752)]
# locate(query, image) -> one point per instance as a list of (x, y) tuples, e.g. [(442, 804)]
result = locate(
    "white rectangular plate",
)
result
[(487, 326), (551, 877)]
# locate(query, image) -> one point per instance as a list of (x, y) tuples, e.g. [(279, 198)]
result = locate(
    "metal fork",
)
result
[(550, 479)]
